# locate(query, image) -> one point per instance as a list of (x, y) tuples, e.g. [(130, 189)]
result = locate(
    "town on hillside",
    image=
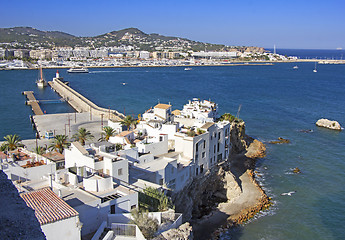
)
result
[(22, 48), (91, 188)]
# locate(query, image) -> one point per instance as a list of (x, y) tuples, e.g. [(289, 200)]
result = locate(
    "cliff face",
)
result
[(221, 183)]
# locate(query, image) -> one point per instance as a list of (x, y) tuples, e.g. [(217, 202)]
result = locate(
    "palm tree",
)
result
[(128, 121), (59, 143), (12, 142), (40, 150), (109, 132), (82, 136)]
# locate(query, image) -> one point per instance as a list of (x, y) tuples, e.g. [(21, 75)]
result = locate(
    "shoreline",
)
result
[(221, 64), (246, 197)]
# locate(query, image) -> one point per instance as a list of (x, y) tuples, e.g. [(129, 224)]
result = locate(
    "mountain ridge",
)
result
[(31, 38)]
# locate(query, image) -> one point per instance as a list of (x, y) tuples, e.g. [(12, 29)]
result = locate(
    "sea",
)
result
[(276, 101)]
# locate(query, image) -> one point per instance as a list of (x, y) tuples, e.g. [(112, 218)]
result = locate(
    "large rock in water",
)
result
[(328, 124)]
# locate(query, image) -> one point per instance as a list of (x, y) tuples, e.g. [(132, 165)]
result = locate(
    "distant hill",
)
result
[(31, 38)]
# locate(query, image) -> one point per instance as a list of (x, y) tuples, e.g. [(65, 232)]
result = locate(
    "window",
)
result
[(204, 144), (196, 147), (201, 168), (161, 181), (160, 138), (219, 136), (196, 171), (119, 171), (218, 147), (203, 154), (112, 209), (214, 149)]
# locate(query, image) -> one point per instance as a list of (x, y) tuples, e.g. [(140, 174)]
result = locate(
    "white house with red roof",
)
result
[(58, 220)]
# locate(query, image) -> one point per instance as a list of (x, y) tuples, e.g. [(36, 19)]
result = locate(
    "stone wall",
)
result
[(17, 220)]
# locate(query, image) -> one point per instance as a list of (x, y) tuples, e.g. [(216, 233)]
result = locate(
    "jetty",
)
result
[(82, 104), (33, 102)]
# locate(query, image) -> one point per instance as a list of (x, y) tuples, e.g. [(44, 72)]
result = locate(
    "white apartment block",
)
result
[(101, 159)]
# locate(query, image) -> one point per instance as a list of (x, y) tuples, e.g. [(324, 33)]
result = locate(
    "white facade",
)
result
[(108, 163), (64, 229), (204, 111)]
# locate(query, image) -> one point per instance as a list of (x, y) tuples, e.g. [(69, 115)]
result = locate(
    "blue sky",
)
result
[(287, 24)]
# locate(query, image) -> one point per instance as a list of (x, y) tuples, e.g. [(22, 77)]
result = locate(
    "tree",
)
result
[(191, 133), (59, 143), (155, 200), (128, 121), (147, 225), (40, 150), (12, 142), (82, 136), (109, 132)]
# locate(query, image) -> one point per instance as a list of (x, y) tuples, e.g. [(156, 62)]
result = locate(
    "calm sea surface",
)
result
[(277, 101)]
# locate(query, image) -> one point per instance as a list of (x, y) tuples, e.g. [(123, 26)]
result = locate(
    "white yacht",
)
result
[(315, 70), (295, 67), (187, 69), (78, 70)]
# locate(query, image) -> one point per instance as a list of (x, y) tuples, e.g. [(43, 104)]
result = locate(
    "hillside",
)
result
[(31, 38)]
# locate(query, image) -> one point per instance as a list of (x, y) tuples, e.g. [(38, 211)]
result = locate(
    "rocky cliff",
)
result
[(210, 199)]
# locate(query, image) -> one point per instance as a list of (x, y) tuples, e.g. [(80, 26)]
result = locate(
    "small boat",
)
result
[(187, 69), (78, 70), (315, 70), (124, 83), (41, 82), (295, 67)]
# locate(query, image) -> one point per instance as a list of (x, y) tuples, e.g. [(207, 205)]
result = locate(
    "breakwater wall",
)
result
[(81, 103)]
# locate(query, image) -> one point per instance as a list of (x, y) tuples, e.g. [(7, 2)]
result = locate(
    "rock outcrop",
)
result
[(226, 189), (334, 125)]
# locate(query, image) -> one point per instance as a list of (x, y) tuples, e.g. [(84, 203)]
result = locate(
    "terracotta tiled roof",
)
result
[(163, 106), (176, 112), (48, 206), (2, 155), (54, 156)]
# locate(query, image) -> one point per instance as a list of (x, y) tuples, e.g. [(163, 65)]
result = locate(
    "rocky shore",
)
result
[(227, 195), (334, 125)]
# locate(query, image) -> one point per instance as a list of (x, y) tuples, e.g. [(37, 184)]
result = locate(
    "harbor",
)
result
[(87, 115)]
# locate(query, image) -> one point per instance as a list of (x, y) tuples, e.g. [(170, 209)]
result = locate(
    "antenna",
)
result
[(238, 111)]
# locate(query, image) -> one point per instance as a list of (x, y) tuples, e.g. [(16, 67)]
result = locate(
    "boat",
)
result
[(187, 69), (295, 67), (78, 70), (41, 82), (315, 70)]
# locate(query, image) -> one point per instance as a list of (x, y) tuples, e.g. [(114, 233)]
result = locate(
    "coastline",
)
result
[(245, 196), (232, 63)]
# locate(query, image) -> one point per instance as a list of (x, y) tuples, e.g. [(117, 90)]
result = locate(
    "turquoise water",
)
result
[(277, 101)]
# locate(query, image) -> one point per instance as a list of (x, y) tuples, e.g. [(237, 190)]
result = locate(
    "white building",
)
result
[(58, 220), (204, 111), (98, 158)]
